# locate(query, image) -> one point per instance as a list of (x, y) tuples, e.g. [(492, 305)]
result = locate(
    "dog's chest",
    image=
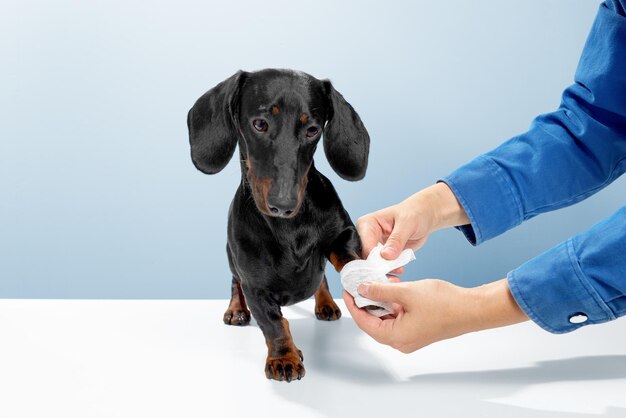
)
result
[(298, 251)]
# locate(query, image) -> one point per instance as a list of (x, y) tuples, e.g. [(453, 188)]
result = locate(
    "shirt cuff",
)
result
[(488, 196), (555, 293)]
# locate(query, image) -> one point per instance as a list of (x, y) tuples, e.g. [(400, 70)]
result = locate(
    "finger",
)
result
[(396, 241), (399, 270), (397, 312), (382, 292), (348, 299), (393, 279), (395, 307), (367, 322)]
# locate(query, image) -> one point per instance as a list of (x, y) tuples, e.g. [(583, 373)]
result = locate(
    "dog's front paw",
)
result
[(327, 311), (285, 368), (236, 317)]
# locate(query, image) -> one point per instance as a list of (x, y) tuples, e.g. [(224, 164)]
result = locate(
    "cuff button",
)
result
[(578, 318)]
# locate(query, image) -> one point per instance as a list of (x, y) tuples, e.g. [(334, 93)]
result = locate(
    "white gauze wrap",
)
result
[(374, 269)]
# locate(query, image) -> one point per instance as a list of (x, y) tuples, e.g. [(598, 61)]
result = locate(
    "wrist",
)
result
[(439, 205), (449, 209), (493, 306)]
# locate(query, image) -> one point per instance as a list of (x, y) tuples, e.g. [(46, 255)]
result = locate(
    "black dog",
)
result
[(286, 219)]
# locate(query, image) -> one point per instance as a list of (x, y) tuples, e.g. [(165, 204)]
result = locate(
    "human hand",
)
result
[(409, 223), (432, 310)]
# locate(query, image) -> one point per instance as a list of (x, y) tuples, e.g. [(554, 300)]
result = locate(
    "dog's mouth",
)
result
[(261, 188)]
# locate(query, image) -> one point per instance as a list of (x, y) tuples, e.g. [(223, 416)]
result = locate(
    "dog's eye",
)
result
[(311, 131), (260, 125)]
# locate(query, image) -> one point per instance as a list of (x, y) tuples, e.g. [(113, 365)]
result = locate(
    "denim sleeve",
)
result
[(579, 282), (566, 155)]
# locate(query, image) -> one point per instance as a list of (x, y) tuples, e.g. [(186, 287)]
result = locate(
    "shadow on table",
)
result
[(344, 379)]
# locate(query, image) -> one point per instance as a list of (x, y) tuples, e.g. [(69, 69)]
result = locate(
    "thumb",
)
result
[(396, 242), (382, 292)]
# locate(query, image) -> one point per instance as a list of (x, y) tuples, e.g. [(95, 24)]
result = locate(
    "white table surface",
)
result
[(93, 358)]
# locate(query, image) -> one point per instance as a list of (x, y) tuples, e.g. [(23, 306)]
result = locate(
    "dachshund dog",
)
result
[(286, 219)]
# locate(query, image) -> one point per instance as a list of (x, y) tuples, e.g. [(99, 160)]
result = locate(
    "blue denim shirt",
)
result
[(566, 156)]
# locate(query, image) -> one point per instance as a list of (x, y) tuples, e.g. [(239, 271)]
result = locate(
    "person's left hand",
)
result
[(431, 310), (425, 311)]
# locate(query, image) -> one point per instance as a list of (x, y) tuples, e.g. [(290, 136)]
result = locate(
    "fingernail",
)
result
[(363, 289), (390, 251)]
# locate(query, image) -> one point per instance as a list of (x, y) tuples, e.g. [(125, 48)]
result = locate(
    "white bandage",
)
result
[(374, 269)]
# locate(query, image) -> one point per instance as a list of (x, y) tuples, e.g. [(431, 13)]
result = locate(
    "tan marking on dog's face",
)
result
[(260, 188), (301, 190), (304, 118), (275, 110)]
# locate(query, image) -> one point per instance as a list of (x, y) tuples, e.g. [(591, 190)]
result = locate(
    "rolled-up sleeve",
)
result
[(579, 282), (566, 155)]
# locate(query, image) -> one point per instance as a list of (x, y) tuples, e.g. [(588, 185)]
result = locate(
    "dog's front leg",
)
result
[(284, 359), (345, 248), (325, 307)]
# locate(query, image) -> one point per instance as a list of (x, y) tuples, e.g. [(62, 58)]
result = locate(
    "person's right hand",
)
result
[(398, 227), (409, 223)]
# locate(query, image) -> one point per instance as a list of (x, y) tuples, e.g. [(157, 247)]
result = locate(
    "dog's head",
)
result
[(277, 117)]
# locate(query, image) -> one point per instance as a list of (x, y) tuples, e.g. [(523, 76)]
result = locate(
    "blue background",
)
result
[(99, 198)]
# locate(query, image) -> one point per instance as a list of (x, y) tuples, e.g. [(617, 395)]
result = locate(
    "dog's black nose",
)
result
[(282, 209)]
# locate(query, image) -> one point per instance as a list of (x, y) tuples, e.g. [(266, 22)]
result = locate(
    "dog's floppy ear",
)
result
[(346, 141), (212, 123)]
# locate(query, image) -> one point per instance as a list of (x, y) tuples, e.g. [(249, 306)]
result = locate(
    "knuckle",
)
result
[(373, 290), (363, 222), (394, 239), (404, 218)]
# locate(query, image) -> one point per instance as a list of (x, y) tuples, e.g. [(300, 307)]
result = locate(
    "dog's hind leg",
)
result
[(237, 312), (325, 307)]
